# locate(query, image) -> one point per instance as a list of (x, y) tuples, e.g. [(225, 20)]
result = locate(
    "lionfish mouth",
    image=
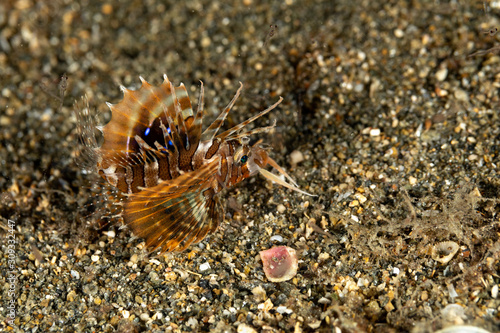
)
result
[(268, 175)]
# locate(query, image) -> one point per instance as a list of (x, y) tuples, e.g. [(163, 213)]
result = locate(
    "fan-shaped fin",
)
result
[(177, 212)]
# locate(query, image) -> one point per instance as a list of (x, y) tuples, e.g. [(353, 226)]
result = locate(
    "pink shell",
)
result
[(280, 263)]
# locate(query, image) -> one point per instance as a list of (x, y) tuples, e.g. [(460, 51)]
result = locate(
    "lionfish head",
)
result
[(254, 159)]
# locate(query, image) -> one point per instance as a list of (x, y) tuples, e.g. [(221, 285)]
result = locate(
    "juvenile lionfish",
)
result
[(169, 170)]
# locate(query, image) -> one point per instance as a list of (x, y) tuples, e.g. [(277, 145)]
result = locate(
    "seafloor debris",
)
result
[(280, 263), (444, 251)]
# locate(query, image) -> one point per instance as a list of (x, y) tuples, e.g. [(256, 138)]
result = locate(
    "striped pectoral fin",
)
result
[(197, 222), (175, 213), (215, 216), (198, 230)]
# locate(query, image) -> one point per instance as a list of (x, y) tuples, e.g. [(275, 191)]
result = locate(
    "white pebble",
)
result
[(244, 328), (94, 258), (360, 197), (442, 74), (324, 300), (358, 87), (205, 42), (283, 309), (375, 132), (281, 208), (361, 56), (494, 291), (362, 282), (76, 275), (204, 267), (323, 256), (399, 33), (277, 238), (155, 261), (461, 95), (296, 157)]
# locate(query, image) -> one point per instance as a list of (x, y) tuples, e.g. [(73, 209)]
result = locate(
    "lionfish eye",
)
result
[(244, 159)]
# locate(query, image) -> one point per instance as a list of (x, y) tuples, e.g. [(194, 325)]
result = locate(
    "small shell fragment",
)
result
[(443, 252), (280, 263)]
